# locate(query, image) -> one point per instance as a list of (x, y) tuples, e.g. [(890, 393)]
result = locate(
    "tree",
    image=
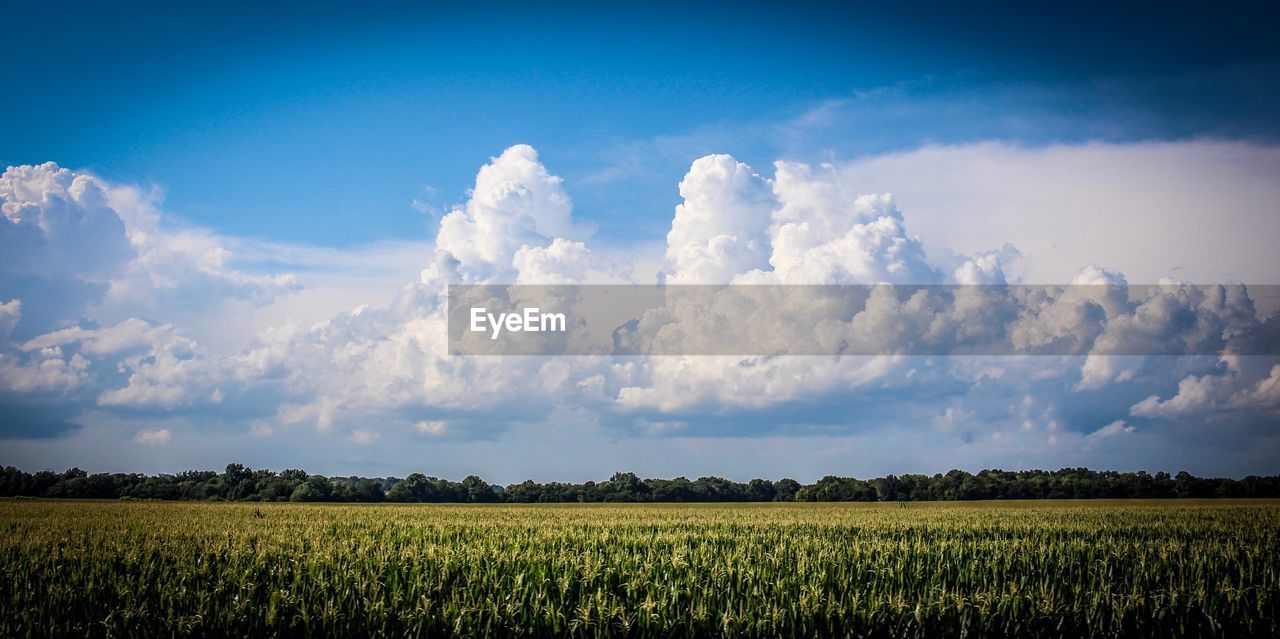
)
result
[(241, 483), (237, 482), (624, 487), (760, 490), (414, 488), (785, 489), (478, 491)]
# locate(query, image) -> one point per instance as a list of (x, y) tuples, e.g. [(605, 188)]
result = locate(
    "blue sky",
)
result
[(322, 123), (258, 198)]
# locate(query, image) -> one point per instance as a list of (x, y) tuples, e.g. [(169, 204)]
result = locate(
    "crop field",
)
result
[(1033, 569)]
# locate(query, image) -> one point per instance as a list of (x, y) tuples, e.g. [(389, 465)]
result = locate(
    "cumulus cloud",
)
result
[(62, 240), (48, 369), (389, 362), (824, 234), (85, 259), (157, 437), (189, 268), (1238, 384), (362, 372), (987, 267), (434, 427), (10, 312), (515, 203), (39, 368), (719, 230), (131, 334), (60, 224), (561, 262), (362, 436), (76, 244), (1118, 427), (1171, 319), (1199, 209), (170, 374)]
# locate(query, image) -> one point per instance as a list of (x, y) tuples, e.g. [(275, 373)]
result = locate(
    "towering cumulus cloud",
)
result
[(826, 233), (515, 204), (375, 374), (721, 228), (62, 241)]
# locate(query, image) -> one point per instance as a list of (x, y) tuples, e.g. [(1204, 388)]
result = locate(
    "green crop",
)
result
[(1032, 569)]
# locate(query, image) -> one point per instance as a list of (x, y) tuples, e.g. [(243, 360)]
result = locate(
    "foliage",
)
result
[(238, 483)]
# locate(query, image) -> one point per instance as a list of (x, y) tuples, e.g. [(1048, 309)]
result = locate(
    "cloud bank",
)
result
[(99, 290)]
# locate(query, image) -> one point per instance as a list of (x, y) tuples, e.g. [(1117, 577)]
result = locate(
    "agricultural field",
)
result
[(996, 569)]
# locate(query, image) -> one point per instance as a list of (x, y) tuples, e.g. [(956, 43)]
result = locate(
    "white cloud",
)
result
[(719, 230), (1118, 427), (1265, 394), (1198, 209), (561, 262), (153, 437), (825, 233), (127, 335), (362, 436), (987, 267), (62, 241), (41, 368), (1248, 385), (515, 203), (10, 313), (951, 417), (806, 226), (1171, 320), (59, 224), (434, 427), (78, 245), (49, 369), (170, 375), (386, 363), (191, 267)]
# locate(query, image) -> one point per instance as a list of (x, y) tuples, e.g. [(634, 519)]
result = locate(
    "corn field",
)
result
[(1029, 569)]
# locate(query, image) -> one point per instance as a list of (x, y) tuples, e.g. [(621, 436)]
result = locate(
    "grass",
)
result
[(1034, 569)]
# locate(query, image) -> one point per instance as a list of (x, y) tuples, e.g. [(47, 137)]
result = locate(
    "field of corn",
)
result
[(1033, 569)]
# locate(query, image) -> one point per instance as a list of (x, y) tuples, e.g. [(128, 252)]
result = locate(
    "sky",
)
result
[(228, 229)]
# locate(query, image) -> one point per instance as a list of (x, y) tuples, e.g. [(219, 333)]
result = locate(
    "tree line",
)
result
[(240, 483)]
